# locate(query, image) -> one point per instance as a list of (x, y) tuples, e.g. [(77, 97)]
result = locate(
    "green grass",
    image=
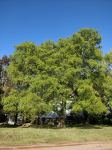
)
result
[(39, 135)]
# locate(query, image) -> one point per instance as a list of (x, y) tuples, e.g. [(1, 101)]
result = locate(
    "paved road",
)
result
[(69, 146)]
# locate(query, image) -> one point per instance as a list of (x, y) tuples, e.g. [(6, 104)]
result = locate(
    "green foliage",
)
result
[(49, 76), (11, 102), (89, 100)]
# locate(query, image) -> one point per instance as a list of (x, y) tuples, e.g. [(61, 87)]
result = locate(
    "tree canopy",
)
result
[(71, 74)]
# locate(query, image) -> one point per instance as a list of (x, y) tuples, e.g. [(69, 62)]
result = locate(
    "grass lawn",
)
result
[(40, 135)]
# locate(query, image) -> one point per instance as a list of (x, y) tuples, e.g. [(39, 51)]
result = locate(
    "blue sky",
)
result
[(41, 20)]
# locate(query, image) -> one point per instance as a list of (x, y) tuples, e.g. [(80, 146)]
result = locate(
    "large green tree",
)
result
[(70, 74)]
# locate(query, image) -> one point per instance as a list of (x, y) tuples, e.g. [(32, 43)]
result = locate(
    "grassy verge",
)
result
[(38, 135)]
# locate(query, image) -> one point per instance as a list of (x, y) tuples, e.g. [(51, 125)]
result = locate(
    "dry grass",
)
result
[(38, 135)]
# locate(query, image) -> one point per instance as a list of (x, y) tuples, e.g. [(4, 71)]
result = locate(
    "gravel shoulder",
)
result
[(67, 146)]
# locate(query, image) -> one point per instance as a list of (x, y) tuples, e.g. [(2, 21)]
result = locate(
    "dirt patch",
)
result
[(66, 146)]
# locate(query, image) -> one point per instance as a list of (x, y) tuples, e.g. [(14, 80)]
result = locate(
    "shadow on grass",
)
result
[(89, 126), (79, 126), (5, 125)]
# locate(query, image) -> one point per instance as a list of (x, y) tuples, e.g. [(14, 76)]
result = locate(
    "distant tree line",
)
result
[(70, 77)]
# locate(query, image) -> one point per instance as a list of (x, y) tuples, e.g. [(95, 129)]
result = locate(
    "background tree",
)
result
[(4, 62)]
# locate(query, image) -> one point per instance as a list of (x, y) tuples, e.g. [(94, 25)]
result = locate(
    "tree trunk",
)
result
[(62, 119), (15, 119), (86, 117)]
